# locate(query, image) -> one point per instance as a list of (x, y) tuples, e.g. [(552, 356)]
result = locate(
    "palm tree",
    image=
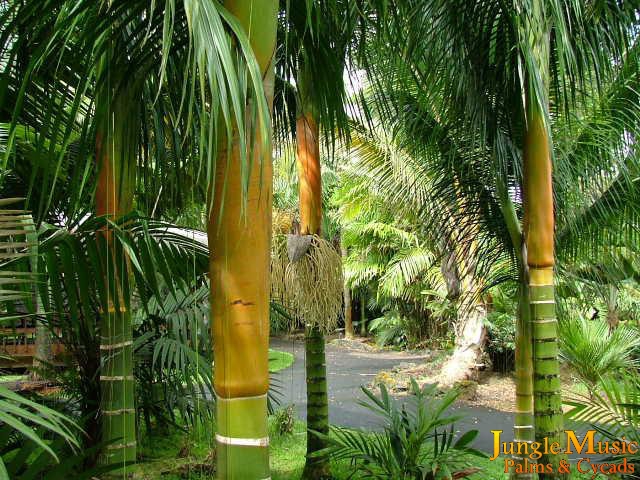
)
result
[(467, 64), (114, 197), (239, 241), (193, 72), (316, 36), (310, 188), (538, 231)]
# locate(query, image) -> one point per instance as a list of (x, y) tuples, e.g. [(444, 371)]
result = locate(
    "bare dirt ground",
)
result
[(485, 388)]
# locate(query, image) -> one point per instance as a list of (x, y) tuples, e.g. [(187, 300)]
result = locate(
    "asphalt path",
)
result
[(348, 369)]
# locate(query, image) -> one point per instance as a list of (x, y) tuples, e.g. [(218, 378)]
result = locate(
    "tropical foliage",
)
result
[(467, 163), (417, 442), (592, 350)]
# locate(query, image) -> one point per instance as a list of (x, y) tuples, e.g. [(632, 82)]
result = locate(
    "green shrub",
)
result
[(402, 331), (284, 420), (417, 442), (593, 351), (501, 346), (389, 330)]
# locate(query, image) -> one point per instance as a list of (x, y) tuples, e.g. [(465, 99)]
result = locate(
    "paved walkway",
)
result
[(348, 369)]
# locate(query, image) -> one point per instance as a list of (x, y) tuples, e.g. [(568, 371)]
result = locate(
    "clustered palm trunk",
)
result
[(309, 175), (239, 243), (114, 198)]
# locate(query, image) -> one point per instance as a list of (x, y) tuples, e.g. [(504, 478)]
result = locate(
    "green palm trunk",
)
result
[(539, 237), (317, 404), (524, 420), (546, 372), (239, 241), (114, 197), (539, 225), (117, 385)]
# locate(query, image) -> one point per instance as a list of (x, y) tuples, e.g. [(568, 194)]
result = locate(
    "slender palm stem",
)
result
[(363, 314), (538, 229), (524, 427), (317, 404), (114, 197), (539, 237), (309, 175), (346, 294)]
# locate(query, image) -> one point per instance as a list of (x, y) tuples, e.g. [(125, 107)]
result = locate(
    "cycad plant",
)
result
[(613, 411)]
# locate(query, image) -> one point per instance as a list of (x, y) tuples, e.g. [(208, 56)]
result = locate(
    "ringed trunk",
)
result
[(539, 239), (309, 175), (239, 244), (524, 427), (114, 197)]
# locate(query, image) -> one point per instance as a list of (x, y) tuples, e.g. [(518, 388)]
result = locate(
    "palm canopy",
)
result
[(453, 99), (319, 43), (185, 70)]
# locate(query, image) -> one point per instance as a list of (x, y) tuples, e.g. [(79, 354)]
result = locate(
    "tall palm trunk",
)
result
[(363, 313), (239, 242), (538, 232), (309, 175), (539, 239), (114, 197)]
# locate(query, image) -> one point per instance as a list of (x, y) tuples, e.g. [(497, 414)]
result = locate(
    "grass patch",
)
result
[(176, 455), (12, 378), (288, 451), (279, 360)]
